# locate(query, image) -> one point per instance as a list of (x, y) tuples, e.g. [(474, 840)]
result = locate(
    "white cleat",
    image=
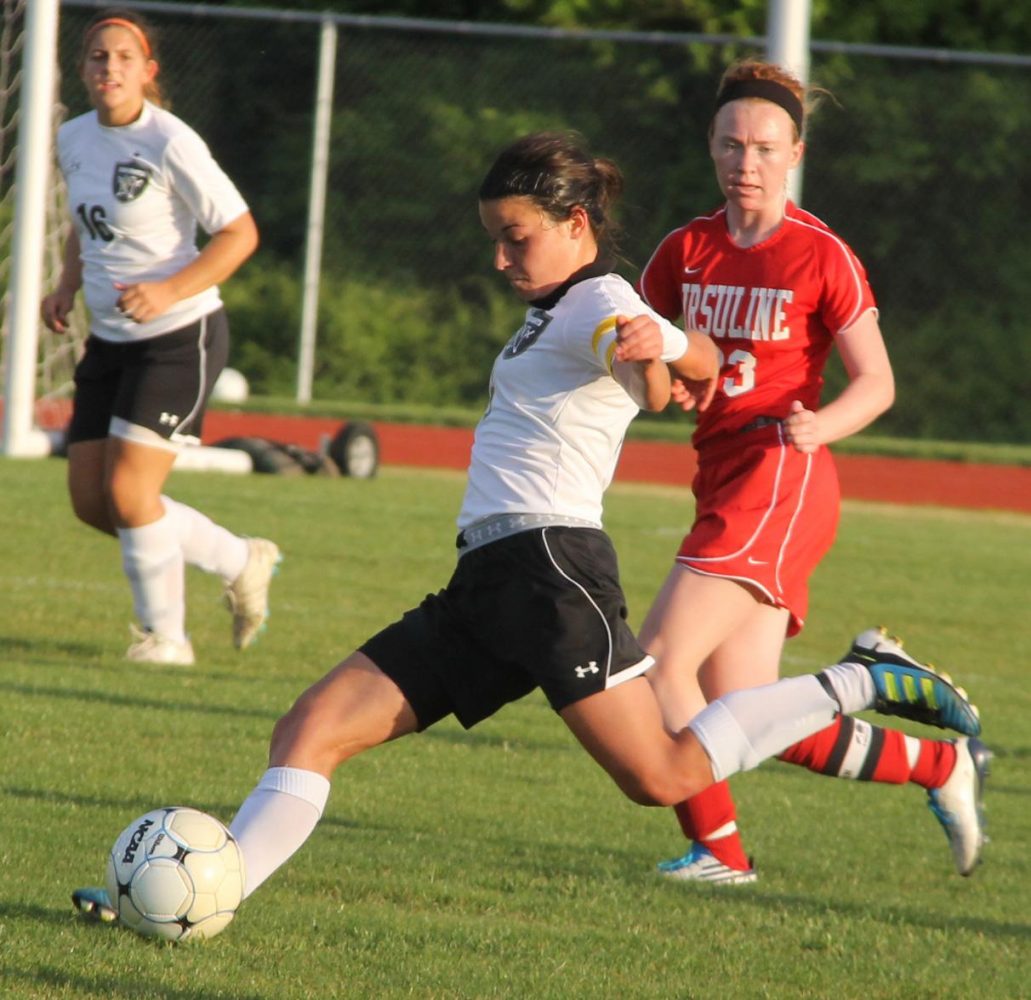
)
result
[(959, 803), (247, 595), (150, 647), (699, 865)]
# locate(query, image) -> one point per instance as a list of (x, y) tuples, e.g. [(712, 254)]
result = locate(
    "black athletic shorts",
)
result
[(540, 608), (161, 384)]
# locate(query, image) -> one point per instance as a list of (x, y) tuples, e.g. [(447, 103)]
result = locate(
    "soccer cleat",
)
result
[(247, 595), (95, 904), (150, 647), (909, 688), (959, 803), (699, 865)]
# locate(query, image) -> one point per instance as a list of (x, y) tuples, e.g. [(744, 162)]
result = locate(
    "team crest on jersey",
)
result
[(130, 180), (525, 337)]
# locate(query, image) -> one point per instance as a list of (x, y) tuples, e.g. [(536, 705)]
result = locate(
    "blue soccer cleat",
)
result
[(911, 689), (699, 865), (95, 904), (959, 804)]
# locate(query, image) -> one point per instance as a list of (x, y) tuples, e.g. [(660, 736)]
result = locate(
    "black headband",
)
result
[(768, 90)]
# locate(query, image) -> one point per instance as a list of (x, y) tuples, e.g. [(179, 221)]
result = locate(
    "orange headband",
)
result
[(121, 22)]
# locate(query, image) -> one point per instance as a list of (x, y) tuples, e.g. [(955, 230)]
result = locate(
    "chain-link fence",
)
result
[(917, 161)]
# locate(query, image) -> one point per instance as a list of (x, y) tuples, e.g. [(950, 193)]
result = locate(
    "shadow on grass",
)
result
[(135, 701), (137, 806), (20, 648), (888, 916), (56, 982)]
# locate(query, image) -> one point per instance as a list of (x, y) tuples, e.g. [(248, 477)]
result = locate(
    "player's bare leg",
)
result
[(87, 464), (623, 730), (353, 708), (711, 636)]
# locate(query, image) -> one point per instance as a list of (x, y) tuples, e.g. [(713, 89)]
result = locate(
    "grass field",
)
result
[(499, 862)]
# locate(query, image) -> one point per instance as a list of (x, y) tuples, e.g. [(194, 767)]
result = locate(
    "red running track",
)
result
[(863, 477)]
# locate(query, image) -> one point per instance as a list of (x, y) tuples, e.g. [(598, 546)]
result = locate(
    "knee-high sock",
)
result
[(743, 728), (853, 748), (710, 819), (276, 819), (206, 545), (153, 562)]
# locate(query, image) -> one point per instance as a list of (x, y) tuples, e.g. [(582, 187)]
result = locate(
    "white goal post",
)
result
[(21, 438)]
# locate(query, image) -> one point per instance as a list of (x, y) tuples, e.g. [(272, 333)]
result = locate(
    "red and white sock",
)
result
[(852, 748), (710, 819)]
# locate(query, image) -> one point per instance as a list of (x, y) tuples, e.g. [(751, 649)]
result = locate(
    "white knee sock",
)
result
[(743, 728), (852, 685), (276, 819), (153, 563), (206, 545)]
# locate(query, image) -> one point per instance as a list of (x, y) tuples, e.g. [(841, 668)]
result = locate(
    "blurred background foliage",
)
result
[(918, 163)]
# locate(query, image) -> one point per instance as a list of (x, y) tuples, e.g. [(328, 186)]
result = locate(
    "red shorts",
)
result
[(765, 516)]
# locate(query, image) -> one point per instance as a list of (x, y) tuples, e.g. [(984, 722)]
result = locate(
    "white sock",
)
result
[(276, 819), (853, 686), (206, 545), (741, 729), (153, 563)]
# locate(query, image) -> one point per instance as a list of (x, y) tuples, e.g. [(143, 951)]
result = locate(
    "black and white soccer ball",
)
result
[(175, 873)]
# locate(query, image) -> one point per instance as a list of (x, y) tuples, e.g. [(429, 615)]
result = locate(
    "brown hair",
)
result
[(558, 172), (748, 70), (140, 29)]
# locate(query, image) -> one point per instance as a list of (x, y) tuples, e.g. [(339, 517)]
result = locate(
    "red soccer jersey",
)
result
[(772, 309)]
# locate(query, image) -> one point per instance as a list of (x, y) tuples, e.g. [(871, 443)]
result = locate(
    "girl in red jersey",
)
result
[(775, 289)]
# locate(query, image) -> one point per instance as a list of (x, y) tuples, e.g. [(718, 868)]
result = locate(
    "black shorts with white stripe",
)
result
[(161, 384), (540, 608)]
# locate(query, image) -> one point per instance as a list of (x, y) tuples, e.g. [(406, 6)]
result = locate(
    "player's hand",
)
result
[(693, 394), (802, 429), (144, 301), (55, 309), (638, 339)]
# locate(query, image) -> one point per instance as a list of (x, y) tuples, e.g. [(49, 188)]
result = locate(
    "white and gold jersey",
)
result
[(137, 193), (559, 405)]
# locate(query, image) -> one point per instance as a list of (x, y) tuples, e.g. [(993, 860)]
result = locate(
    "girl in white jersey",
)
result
[(535, 599), (777, 290), (139, 181)]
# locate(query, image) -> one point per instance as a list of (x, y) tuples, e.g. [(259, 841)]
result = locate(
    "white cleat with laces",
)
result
[(247, 595), (150, 647)]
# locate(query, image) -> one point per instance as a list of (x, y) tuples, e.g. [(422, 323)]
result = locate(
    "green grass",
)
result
[(499, 862)]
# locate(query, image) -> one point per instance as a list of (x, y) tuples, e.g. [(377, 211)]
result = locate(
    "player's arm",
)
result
[(224, 252), (870, 390), (697, 372), (640, 343), (58, 304)]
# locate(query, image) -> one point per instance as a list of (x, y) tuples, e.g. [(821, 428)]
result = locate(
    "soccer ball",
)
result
[(230, 387), (175, 873)]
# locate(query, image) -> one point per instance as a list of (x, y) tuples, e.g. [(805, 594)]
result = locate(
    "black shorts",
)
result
[(161, 384), (541, 608)]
